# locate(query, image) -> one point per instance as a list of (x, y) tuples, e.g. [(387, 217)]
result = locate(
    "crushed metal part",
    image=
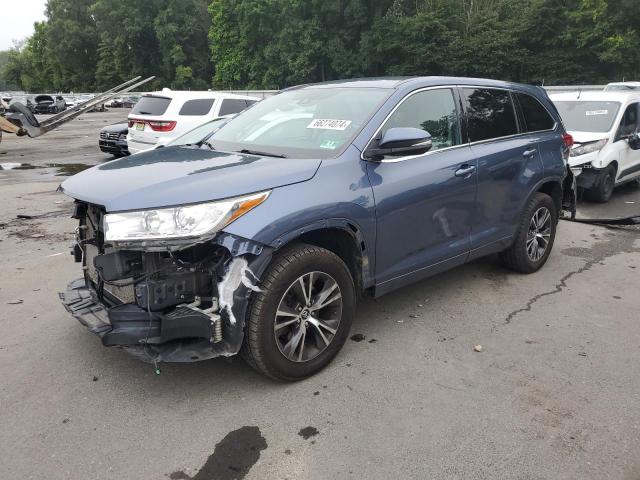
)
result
[(237, 275)]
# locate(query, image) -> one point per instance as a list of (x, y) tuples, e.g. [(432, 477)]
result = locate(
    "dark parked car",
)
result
[(113, 139), (260, 240), (49, 104)]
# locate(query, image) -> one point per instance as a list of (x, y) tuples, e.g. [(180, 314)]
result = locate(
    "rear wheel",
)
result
[(300, 320), (605, 183), (534, 237)]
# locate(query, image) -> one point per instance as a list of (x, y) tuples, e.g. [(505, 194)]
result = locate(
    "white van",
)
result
[(163, 116), (604, 126)]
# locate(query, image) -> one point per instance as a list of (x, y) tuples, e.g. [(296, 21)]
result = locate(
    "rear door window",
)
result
[(233, 105), (536, 117), (433, 111), (151, 106), (490, 114), (197, 107)]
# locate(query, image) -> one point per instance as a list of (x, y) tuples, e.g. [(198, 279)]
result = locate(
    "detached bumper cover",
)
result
[(79, 302), (149, 337)]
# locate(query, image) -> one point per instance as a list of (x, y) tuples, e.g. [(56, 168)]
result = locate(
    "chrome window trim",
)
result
[(468, 144)]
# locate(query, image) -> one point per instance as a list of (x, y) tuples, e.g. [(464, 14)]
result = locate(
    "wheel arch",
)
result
[(342, 237), (553, 188)]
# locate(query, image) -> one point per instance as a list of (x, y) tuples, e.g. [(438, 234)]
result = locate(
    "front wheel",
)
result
[(300, 320), (605, 183), (534, 237)]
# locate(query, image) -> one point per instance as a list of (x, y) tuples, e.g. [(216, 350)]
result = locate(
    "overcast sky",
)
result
[(17, 19)]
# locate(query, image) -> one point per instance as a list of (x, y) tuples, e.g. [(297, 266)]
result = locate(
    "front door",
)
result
[(424, 203), (628, 158)]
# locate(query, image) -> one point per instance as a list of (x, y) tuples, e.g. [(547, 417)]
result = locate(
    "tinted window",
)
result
[(232, 105), (587, 116), (151, 106), (536, 117), (433, 111), (197, 107), (490, 114)]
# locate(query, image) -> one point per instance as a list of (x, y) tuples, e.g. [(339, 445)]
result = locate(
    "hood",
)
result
[(44, 99), (584, 137), (116, 128), (178, 175)]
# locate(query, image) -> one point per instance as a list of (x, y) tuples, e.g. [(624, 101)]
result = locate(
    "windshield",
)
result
[(306, 123), (584, 116), (199, 133)]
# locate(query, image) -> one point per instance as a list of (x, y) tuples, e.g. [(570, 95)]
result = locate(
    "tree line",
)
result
[(87, 45)]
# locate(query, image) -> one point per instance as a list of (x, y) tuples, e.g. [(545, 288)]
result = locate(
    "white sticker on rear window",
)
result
[(597, 112), (329, 124)]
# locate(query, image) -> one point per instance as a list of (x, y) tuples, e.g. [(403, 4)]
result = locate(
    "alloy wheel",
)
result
[(539, 234), (308, 316)]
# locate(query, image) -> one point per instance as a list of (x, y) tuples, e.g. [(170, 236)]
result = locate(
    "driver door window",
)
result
[(629, 123), (431, 110)]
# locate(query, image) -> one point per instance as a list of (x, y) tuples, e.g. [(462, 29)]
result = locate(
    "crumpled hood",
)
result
[(177, 175)]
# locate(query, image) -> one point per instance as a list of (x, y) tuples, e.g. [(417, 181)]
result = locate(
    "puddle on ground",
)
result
[(62, 169)]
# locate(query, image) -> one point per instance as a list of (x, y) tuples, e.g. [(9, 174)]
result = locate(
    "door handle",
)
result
[(529, 153), (465, 171)]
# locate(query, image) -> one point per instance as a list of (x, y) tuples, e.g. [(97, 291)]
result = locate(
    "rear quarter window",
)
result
[(151, 106), (490, 114), (233, 105), (536, 117), (196, 107)]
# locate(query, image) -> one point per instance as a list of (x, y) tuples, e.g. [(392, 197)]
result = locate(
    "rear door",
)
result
[(509, 163), (424, 203)]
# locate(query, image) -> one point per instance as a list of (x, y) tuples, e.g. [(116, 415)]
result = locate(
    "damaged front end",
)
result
[(177, 302)]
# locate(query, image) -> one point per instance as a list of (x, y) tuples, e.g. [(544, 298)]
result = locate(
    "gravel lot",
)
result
[(554, 393)]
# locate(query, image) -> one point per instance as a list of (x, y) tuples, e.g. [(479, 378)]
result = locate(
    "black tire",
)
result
[(605, 183), (260, 348), (517, 257)]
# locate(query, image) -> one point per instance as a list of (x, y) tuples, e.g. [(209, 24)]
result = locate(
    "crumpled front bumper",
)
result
[(82, 304), (151, 337), (182, 312)]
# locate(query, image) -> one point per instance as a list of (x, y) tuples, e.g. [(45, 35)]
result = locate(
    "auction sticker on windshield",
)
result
[(329, 124), (597, 112)]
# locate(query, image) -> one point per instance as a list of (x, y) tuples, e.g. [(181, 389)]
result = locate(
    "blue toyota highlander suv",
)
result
[(259, 239)]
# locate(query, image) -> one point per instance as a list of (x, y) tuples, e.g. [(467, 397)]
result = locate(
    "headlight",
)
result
[(189, 221), (589, 147)]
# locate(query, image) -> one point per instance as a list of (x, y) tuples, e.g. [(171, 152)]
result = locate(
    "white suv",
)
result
[(605, 127), (159, 117)]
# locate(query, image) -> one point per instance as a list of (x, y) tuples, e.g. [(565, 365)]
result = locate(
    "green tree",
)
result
[(72, 43)]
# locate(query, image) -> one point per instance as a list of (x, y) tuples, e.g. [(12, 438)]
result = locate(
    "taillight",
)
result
[(161, 126), (567, 139), (130, 123)]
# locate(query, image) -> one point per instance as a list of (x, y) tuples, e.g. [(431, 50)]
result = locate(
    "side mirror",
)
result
[(634, 141), (402, 141)]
